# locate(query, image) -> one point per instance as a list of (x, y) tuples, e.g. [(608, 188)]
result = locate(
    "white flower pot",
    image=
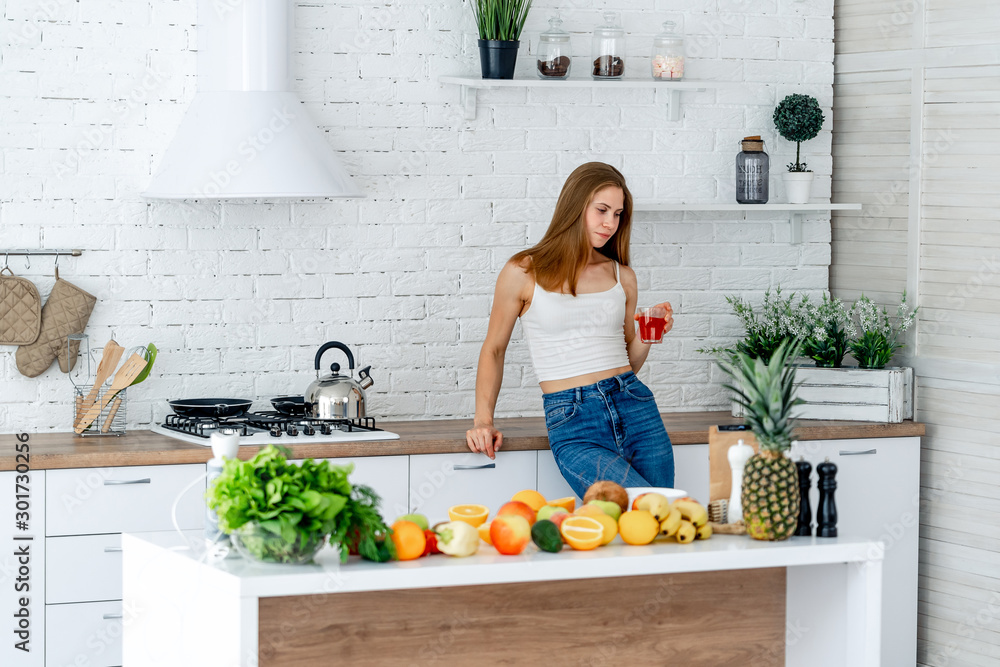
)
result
[(797, 186)]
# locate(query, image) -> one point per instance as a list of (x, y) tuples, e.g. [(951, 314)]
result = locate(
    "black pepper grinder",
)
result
[(804, 528), (826, 512)]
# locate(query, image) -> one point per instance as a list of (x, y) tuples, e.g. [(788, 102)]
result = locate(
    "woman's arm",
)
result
[(637, 350), (508, 300)]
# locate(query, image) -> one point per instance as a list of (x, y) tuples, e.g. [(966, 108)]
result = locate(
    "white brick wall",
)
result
[(239, 296)]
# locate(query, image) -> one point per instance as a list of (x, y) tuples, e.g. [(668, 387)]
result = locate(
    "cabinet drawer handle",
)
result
[(112, 617), (123, 482), (860, 452), (112, 550), (482, 467)]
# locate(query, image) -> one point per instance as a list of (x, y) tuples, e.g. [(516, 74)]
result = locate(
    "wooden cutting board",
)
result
[(719, 442)]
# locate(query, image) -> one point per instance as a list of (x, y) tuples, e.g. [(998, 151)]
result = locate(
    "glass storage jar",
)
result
[(668, 52), (608, 49), (553, 51), (752, 166)]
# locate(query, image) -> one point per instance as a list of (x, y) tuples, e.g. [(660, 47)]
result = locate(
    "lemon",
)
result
[(531, 498), (582, 532), (638, 527), (474, 515)]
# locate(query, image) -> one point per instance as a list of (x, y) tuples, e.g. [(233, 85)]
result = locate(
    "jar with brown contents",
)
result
[(553, 51), (609, 49)]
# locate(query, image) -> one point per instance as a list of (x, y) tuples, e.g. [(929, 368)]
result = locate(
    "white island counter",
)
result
[(806, 601)]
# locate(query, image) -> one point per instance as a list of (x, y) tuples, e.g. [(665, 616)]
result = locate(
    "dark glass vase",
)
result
[(752, 165), (497, 58)]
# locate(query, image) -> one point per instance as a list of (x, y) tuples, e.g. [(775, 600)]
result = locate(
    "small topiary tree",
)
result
[(798, 118)]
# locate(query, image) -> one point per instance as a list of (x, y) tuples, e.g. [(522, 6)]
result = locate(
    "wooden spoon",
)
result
[(109, 362), (126, 374)]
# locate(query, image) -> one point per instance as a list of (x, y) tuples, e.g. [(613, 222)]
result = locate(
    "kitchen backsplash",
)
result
[(238, 297)]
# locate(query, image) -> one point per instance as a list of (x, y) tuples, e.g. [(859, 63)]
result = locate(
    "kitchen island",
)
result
[(727, 600)]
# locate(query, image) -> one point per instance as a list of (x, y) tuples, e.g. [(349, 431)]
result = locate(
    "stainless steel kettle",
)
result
[(337, 396)]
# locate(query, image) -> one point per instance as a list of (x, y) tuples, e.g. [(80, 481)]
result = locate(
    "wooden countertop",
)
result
[(435, 436)]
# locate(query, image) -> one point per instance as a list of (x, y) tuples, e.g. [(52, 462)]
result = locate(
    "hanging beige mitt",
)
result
[(20, 310), (66, 312)]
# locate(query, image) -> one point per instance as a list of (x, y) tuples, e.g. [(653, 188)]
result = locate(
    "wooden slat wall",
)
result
[(957, 269), (871, 146)]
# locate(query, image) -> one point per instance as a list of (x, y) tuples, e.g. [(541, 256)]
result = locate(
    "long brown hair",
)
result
[(563, 253)]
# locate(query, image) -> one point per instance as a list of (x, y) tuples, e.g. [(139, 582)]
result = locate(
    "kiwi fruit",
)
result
[(607, 490)]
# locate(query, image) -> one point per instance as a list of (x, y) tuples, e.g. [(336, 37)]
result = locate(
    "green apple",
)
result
[(547, 511), (611, 508), (418, 519)]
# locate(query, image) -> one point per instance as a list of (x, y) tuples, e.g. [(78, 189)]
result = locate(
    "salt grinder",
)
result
[(805, 511), (738, 455), (826, 511)]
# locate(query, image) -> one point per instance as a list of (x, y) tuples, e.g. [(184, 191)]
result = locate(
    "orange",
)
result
[(582, 532), (568, 503), (474, 515), (531, 498), (409, 539), (610, 526), (484, 533)]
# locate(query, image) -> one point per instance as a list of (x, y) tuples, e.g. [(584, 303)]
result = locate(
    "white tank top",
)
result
[(574, 335)]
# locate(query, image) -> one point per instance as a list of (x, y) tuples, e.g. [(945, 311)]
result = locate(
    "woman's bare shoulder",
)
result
[(629, 281)]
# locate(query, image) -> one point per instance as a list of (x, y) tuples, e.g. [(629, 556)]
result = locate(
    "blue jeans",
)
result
[(609, 430)]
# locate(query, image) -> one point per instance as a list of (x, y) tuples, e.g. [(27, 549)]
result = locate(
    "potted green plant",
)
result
[(798, 118), (879, 338), (500, 23), (829, 332)]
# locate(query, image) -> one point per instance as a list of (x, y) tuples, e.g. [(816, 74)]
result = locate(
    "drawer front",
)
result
[(84, 634), (438, 481), (85, 568), (126, 499), (388, 475)]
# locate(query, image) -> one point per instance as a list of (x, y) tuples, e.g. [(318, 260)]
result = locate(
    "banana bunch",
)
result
[(686, 521)]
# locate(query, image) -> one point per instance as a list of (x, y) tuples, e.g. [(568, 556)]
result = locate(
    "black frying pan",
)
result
[(293, 406), (210, 407)]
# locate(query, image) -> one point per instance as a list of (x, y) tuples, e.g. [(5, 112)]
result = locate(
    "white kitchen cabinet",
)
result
[(83, 568), (131, 499), (85, 634), (88, 509), (877, 497), (551, 483), (691, 471), (438, 481), (389, 476), (10, 570)]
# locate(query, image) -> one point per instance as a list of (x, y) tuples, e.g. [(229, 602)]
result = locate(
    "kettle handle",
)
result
[(329, 346)]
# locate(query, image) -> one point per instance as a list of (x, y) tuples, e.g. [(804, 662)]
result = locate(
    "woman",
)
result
[(576, 296)]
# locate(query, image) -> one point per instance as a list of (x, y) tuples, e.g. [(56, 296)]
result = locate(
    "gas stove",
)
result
[(263, 428)]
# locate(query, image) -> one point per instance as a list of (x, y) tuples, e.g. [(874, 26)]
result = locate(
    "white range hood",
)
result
[(245, 135)]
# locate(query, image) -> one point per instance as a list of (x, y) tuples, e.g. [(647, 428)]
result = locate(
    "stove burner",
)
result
[(271, 422)]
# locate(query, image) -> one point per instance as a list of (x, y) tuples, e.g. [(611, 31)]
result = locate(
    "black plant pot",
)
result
[(497, 58)]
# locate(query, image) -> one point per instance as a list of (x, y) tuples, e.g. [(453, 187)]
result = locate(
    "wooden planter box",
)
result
[(853, 394)]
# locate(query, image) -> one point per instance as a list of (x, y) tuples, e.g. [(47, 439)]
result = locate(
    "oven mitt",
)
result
[(65, 312), (20, 310)]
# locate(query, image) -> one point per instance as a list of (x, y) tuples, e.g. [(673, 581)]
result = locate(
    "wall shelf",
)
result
[(470, 85), (796, 211)]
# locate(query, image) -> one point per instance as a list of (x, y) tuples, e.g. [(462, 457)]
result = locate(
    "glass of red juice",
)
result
[(652, 322)]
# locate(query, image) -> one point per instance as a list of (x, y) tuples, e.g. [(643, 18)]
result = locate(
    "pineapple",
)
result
[(770, 481)]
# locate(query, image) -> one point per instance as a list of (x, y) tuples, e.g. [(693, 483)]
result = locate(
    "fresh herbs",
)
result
[(829, 333), (296, 504)]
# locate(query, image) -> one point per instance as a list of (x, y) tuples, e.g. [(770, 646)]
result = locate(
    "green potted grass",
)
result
[(500, 23)]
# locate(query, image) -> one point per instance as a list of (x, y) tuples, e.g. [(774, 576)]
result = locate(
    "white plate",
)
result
[(671, 494)]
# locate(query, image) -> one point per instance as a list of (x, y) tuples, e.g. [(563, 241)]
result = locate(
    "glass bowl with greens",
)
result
[(282, 512), (255, 542)]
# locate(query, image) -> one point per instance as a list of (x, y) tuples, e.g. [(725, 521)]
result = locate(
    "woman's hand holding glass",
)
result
[(654, 322)]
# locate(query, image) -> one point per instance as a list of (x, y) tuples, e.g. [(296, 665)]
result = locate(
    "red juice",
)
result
[(651, 328)]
